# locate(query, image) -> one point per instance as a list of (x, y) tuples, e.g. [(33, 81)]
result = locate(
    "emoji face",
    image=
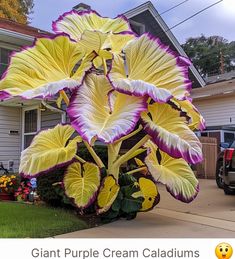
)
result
[(223, 251)]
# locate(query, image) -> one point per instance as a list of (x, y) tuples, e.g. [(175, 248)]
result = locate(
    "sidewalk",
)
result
[(212, 214)]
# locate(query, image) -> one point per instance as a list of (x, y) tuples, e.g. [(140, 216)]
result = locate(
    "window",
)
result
[(228, 137), (31, 125), (4, 59)]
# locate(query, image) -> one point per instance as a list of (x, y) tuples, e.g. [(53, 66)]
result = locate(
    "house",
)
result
[(20, 120), (216, 103)]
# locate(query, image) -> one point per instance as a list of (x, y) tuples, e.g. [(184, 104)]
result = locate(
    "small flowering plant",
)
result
[(115, 84), (8, 184), (23, 190)]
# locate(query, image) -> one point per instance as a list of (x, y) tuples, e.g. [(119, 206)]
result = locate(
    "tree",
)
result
[(16, 10), (211, 55)]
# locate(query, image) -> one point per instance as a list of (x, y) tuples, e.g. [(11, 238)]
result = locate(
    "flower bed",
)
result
[(8, 185)]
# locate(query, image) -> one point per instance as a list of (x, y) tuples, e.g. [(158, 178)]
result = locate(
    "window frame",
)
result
[(9, 48), (30, 108)]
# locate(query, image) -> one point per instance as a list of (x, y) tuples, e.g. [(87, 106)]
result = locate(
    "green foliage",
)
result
[(49, 192), (206, 54), (125, 206), (16, 10)]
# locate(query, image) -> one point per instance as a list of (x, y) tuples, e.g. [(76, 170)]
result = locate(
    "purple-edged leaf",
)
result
[(45, 68), (49, 149), (170, 131), (151, 69), (94, 111), (75, 23), (197, 122), (81, 183), (176, 174)]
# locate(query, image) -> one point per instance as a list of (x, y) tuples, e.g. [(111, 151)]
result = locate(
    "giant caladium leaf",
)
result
[(107, 194), (169, 130), (197, 122), (75, 23), (44, 69), (81, 183), (49, 149), (95, 112), (151, 69), (176, 174)]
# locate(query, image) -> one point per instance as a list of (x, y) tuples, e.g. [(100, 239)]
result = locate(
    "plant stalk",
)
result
[(137, 170), (94, 155), (65, 97), (131, 134), (80, 159)]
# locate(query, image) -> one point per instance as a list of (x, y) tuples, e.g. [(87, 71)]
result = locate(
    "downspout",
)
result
[(53, 109)]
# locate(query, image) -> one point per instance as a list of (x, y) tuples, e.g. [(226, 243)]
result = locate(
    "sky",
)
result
[(218, 20)]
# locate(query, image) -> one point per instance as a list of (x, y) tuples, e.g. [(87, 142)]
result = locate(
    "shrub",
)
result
[(47, 191)]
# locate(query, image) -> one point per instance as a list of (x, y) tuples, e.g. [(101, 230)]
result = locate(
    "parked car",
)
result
[(225, 168)]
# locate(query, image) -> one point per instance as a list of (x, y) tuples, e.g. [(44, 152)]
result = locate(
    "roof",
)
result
[(214, 90), (21, 28), (221, 77), (148, 6)]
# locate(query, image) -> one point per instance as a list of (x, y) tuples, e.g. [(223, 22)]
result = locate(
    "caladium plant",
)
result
[(115, 84)]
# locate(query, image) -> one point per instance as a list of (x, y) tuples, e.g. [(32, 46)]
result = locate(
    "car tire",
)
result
[(218, 175), (228, 191)]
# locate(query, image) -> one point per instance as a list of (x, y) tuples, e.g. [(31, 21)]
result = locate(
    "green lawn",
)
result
[(22, 220)]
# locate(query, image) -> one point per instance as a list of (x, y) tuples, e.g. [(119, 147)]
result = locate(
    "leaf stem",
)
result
[(133, 133), (94, 155), (80, 159), (65, 97), (125, 158), (137, 170)]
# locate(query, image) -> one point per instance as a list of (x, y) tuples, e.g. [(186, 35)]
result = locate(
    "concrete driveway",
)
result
[(211, 215)]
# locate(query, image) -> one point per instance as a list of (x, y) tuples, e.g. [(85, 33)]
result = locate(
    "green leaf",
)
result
[(126, 179), (131, 204), (118, 202)]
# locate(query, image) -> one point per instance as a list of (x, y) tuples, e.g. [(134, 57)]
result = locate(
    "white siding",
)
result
[(10, 119), (49, 119), (219, 111)]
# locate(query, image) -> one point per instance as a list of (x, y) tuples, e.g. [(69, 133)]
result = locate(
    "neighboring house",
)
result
[(20, 120), (216, 102)]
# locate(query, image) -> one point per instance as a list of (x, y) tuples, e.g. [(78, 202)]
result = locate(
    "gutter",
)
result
[(17, 35)]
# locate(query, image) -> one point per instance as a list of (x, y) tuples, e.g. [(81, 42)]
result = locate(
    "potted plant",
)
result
[(8, 185)]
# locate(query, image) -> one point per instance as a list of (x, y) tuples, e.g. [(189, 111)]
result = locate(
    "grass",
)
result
[(23, 220)]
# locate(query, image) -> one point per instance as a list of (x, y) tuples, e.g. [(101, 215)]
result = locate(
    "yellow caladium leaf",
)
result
[(170, 132), (44, 69), (75, 23), (96, 111), (197, 122), (176, 174), (152, 69), (81, 183), (107, 194), (49, 149), (149, 191)]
